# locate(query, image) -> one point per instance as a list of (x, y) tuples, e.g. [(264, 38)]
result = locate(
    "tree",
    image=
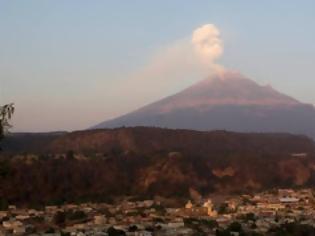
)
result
[(59, 218), (3, 204), (115, 232), (235, 227), (223, 209), (6, 113), (76, 215)]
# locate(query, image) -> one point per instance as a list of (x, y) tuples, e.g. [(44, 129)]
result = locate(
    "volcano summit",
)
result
[(228, 101)]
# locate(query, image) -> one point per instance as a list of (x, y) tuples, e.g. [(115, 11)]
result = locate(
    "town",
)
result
[(253, 214)]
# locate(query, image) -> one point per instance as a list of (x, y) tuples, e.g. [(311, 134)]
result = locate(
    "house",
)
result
[(99, 220), (286, 192), (189, 205), (302, 154), (209, 205), (11, 224), (19, 230), (288, 200), (3, 214), (197, 211), (16, 226), (22, 217), (176, 224)]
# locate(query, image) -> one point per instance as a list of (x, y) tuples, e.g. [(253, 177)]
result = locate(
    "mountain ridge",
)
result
[(228, 101), (146, 162)]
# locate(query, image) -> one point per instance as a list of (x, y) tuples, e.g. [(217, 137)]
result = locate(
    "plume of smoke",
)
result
[(169, 70), (208, 45), (173, 67)]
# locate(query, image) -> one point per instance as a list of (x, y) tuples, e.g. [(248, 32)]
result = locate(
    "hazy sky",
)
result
[(71, 64)]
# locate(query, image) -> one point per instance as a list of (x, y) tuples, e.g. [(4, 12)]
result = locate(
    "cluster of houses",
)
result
[(257, 213)]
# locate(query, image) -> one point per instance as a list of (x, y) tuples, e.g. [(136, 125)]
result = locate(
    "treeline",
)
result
[(51, 179), (56, 181), (145, 140), (99, 165)]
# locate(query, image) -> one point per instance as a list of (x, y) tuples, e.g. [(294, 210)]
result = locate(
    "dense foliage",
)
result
[(293, 228), (147, 162), (6, 113)]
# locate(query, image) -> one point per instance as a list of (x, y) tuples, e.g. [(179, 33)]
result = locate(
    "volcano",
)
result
[(228, 101)]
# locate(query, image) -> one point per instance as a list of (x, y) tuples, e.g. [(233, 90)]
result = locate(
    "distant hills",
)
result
[(225, 102)]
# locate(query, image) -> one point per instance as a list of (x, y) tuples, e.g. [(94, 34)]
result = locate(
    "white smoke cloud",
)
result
[(169, 70), (208, 44)]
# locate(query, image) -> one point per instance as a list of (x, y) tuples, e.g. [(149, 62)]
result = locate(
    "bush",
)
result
[(76, 215), (248, 217), (223, 209), (132, 228), (293, 229), (59, 218), (115, 232), (50, 231), (222, 233), (3, 204), (210, 223), (235, 227), (5, 168)]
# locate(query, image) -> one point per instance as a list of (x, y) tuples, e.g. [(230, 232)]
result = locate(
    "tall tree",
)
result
[(6, 113)]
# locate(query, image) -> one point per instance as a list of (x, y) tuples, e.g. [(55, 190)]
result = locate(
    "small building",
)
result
[(198, 211), (189, 205), (100, 220), (302, 154), (288, 200)]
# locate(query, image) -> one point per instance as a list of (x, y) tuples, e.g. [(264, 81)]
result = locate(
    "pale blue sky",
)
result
[(60, 59)]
